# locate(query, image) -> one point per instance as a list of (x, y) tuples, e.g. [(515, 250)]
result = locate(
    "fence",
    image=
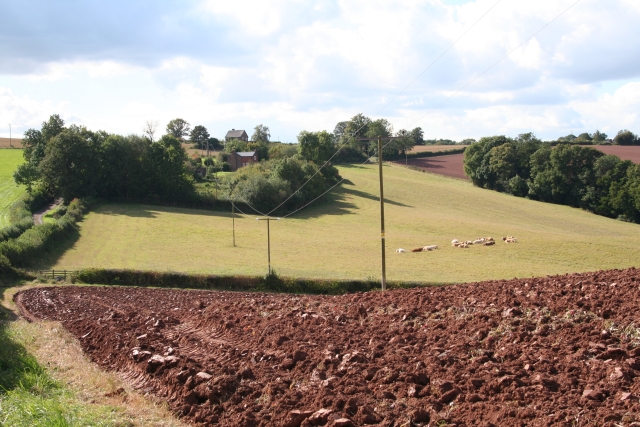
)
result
[(56, 274)]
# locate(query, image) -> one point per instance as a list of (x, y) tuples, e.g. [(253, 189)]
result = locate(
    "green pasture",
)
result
[(9, 191), (341, 238)]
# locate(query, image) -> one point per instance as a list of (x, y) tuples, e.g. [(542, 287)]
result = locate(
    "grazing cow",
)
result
[(454, 241), (491, 243), (417, 250), (400, 251), (430, 248), (468, 242), (463, 245), (509, 239), (477, 242), (490, 239)]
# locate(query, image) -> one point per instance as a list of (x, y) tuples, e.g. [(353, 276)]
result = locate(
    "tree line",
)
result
[(567, 174)]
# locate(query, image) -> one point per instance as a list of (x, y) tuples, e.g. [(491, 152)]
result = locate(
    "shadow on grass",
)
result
[(52, 253)]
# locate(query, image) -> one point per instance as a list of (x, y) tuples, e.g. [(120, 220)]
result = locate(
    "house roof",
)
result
[(246, 153), (233, 133)]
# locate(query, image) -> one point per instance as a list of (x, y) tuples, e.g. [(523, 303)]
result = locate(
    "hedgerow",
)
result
[(19, 251), (270, 283)]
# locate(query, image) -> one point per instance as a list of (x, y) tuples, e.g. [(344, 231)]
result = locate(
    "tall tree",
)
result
[(625, 137), (315, 146), (599, 136), (418, 136), (179, 128), (71, 165), (200, 137), (261, 134)]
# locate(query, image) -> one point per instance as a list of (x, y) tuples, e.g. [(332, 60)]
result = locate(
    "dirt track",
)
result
[(561, 350)]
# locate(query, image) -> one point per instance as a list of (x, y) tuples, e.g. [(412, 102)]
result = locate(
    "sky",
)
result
[(296, 65)]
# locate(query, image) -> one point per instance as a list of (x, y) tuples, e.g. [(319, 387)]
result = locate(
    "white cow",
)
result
[(400, 251)]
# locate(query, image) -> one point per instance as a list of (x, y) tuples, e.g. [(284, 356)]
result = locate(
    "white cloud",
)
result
[(23, 112), (297, 65)]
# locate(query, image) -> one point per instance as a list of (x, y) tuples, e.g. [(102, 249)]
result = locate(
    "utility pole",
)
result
[(383, 279), (268, 219), (233, 222), (10, 145)]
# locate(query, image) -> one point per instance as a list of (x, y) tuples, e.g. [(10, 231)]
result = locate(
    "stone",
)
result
[(296, 417), (625, 396), (319, 417), (202, 377)]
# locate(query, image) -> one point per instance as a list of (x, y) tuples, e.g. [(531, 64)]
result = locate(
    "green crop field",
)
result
[(9, 191), (341, 239)]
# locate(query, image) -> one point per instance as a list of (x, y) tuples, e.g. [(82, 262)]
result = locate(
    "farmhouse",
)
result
[(236, 134), (242, 158)]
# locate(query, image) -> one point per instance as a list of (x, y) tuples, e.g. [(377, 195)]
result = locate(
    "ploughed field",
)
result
[(562, 350)]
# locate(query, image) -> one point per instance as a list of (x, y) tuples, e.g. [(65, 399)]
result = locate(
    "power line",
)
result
[(436, 60), (385, 106), (495, 63)]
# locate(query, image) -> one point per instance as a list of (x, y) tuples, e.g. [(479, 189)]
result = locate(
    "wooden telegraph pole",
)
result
[(383, 279), (268, 219)]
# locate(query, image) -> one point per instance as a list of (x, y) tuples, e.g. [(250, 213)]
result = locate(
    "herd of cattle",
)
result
[(484, 241)]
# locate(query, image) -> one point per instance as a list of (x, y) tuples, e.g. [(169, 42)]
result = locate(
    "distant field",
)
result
[(9, 191), (624, 152), (450, 165), (10, 143), (436, 148), (342, 239)]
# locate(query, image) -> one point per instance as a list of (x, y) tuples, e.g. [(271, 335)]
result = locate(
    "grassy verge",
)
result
[(47, 381)]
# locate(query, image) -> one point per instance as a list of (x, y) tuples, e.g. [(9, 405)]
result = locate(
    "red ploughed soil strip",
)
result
[(450, 165), (557, 350), (624, 152)]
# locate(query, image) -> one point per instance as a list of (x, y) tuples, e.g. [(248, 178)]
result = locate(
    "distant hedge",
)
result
[(19, 251), (271, 283)]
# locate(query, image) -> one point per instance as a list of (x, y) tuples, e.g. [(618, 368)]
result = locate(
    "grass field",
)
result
[(9, 191), (341, 239)]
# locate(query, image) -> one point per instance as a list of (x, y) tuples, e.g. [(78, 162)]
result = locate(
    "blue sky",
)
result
[(297, 65)]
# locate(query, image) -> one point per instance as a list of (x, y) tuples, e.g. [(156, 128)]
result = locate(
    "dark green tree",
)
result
[(70, 166), (200, 136), (625, 137), (316, 147), (418, 136)]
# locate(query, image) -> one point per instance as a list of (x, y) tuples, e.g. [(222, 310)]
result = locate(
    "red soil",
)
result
[(450, 165), (435, 148), (453, 166), (552, 351), (624, 152)]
